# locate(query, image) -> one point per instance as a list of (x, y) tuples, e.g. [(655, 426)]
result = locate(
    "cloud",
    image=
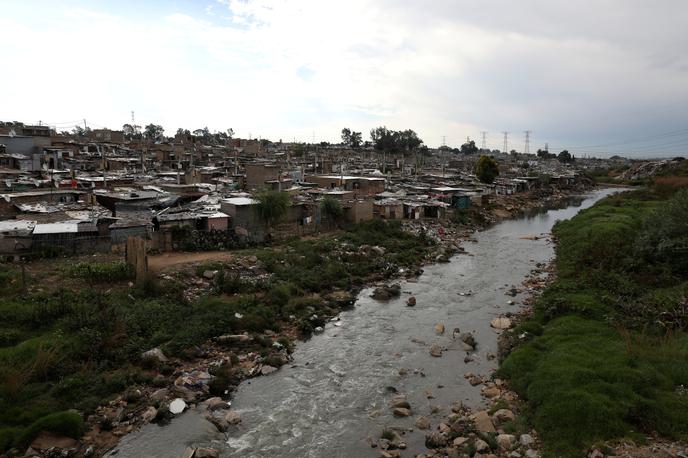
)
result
[(575, 73)]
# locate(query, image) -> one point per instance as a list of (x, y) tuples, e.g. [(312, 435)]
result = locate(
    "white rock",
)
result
[(177, 406), (526, 439)]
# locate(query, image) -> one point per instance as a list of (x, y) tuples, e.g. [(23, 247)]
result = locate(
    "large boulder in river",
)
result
[(401, 412), (435, 350), (206, 452), (233, 418), (400, 401), (387, 292), (468, 339), (501, 323)]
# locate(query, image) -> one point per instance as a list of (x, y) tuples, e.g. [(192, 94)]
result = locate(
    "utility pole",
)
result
[(506, 142), (103, 155), (85, 126), (527, 148), (484, 144)]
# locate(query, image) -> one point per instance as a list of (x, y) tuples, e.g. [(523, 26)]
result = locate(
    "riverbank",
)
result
[(158, 313), (600, 357)]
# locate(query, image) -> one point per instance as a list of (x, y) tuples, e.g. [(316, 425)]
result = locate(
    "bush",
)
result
[(8, 436), (102, 271), (332, 209), (599, 365), (664, 237), (68, 424)]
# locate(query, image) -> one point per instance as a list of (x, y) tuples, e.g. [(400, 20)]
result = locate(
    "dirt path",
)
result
[(163, 261)]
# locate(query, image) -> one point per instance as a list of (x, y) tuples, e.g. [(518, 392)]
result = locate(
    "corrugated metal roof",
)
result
[(64, 227), (240, 201)]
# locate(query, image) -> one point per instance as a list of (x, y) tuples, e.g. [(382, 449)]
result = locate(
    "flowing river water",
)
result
[(334, 395)]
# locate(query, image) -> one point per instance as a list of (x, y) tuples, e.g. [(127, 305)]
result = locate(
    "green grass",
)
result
[(603, 361), (68, 424), (69, 348), (99, 272)]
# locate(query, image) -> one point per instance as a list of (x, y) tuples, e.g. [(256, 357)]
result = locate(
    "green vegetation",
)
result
[(272, 206), (607, 350), (70, 345), (101, 271), (332, 209), (486, 169)]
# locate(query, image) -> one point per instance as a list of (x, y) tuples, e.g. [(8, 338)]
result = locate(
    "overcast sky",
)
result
[(588, 75)]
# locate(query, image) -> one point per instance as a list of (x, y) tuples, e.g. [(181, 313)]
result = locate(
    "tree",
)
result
[(272, 206), (351, 138), (356, 139), (81, 131), (346, 136), (486, 169), (407, 140), (131, 131), (469, 148), (395, 141), (383, 139), (332, 209), (206, 136), (153, 132), (565, 157), (181, 131)]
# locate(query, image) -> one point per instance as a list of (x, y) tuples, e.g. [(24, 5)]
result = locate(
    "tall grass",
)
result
[(600, 364)]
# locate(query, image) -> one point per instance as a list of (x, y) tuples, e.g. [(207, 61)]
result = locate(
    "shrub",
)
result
[(598, 365), (272, 206), (68, 424), (664, 237), (102, 271), (8, 436), (332, 209)]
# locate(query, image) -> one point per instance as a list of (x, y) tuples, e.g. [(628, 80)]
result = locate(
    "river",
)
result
[(334, 395)]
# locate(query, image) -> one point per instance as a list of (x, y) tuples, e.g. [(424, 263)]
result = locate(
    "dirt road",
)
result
[(163, 261)]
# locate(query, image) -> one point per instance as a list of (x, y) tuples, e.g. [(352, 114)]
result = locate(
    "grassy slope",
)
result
[(77, 342), (597, 365)]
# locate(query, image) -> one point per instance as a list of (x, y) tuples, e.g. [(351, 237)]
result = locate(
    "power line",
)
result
[(638, 140)]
